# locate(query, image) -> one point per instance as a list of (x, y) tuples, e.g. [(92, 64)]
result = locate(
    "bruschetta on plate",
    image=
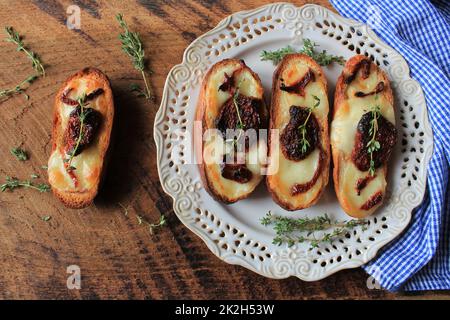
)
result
[(82, 122), (363, 135), (299, 162), (231, 110)]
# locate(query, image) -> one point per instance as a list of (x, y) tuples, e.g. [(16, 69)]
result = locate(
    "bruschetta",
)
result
[(82, 122), (231, 110), (299, 162), (363, 135)]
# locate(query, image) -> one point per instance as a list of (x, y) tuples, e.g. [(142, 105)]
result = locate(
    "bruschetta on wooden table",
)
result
[(82, 123)]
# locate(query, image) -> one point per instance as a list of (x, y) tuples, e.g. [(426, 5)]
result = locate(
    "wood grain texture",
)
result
[(118, 258)]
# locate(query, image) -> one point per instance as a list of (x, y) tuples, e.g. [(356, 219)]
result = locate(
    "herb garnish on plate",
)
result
[(322, 58), (299, 230)]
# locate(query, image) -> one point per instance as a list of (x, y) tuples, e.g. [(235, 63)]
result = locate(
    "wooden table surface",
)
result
[(118, 258)]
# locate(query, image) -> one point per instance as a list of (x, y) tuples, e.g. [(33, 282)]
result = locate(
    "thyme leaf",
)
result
[(373, 145), (304, 143), (299, 230), (20, 154), (83, 113), (20, 88), (322, 58), (277, 55), (125, 209), (134, 87), (14, 183), (142, 221), (46, 218), (240, 125), (132, 46), (162, 222), (14, 37)]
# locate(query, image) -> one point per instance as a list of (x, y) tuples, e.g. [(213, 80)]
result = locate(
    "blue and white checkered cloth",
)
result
[(420, 30)]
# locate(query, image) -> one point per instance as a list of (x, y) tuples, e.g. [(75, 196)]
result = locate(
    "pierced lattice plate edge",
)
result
[(293, 259)]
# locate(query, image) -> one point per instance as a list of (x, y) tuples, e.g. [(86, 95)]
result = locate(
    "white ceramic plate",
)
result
[(233, 232)]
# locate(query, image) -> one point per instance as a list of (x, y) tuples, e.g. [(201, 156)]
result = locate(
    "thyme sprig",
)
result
[(304, 143), (14, 183), (322, 58), (134, 87), (132, 46), (373, 145), (125, 209), (277, 55), (152, 226), (162, 222), (19, 153), (20, 88), (142, 221), (83, 113), (292, 231), (14, 37), (240, 125)]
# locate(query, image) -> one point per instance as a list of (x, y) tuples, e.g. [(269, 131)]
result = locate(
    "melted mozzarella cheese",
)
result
[(347, 116), (290, 173), (348, 179), (88, 163), (213, 153), (306, 168)]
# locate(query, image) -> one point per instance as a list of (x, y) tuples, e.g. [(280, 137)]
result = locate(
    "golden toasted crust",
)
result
[(338, 157), (200, 116), (324, 137), (75, 199)]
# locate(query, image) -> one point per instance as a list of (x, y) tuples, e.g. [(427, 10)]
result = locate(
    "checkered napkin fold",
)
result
[(420, 31)]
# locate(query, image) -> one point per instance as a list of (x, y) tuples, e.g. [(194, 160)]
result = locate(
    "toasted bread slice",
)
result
[(230, 86), (75, 180), (361, 87), (299, 165)]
